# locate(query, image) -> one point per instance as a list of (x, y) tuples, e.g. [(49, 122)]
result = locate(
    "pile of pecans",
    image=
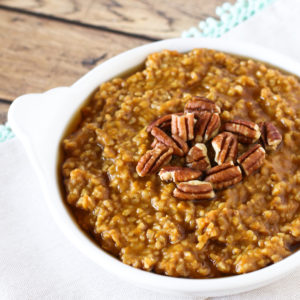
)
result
[(188, 134)]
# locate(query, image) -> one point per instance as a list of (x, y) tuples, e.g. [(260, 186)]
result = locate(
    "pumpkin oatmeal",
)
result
[(138, 214)]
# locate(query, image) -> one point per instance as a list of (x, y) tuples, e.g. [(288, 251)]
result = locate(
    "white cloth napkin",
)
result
[(276, 27), (38, 262)]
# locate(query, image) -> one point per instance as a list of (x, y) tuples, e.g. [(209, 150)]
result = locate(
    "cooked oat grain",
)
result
[(245, 228)]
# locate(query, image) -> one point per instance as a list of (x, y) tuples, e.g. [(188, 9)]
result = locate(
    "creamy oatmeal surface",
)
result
[(251, 225)]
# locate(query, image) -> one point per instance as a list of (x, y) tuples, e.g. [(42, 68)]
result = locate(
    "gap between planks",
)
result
[(4, 106), (38, 54), (76, 23), (151, 19)]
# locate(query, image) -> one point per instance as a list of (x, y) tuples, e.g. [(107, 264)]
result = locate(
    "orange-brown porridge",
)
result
[(137, 219)]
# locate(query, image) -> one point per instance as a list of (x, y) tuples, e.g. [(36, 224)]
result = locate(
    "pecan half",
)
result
[(178, 174), (179, 146), (207, 126), (194, 190), (270, 136), (225, 145), (183, 126), (163, 122), (224, 175), (154, 143), (197, 158), (153, 159), (198, 104), (253, 159), (246, 131)]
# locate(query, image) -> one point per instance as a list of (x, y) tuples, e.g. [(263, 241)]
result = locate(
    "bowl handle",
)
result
[(39, 120), (29, 114)]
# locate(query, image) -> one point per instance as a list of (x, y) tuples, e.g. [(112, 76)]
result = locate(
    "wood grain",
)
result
[(37, 54), (155, 19)]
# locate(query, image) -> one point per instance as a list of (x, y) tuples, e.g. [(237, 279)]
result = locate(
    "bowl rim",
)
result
[(222, 285)]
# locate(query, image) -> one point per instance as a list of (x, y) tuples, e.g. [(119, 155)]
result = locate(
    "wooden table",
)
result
[(44, 44)]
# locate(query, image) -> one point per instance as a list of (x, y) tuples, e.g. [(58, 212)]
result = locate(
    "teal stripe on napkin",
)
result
[(5, 133), (229, 16)]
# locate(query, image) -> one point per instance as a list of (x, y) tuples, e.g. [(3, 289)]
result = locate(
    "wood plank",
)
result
[(3, 111), (152, 18), (37, 54)]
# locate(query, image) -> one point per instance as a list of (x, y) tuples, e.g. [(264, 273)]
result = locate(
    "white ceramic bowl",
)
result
[(39, 121)]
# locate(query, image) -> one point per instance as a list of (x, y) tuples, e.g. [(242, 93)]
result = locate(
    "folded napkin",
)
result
[(37, 261)]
